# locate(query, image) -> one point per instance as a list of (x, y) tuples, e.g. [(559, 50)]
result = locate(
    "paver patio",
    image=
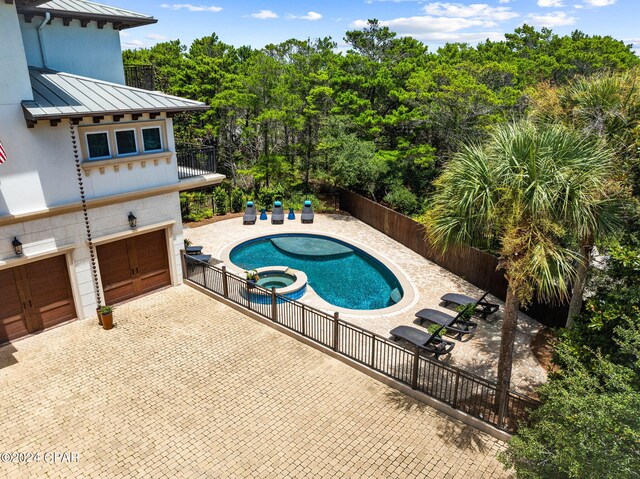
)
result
[(184, 386), (478, 354)]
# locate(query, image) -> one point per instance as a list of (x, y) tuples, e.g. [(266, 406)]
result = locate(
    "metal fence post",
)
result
[(335, 331), (204, 275), (303, 327), (373, 350), (225, 282), (183, 262), (455, 390), (274, 305), (416, 367)]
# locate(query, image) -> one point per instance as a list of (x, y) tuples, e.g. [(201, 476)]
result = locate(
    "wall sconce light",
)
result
[(17, 246), (133, 221)]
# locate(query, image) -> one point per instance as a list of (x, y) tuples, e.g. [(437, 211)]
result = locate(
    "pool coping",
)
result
[(409, 299), (299, 283)]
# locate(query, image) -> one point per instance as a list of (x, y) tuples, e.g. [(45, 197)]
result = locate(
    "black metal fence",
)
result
[(459, 389), (196, 160), (140, 76)]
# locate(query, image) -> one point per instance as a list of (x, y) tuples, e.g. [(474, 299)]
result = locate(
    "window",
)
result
[(151, 139), (98, 145), (126, 142)]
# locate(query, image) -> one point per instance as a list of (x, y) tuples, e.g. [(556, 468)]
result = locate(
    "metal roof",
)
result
[(64, 95), (84, 10)]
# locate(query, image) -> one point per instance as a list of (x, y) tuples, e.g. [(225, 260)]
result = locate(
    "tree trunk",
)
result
[(578, 288), (505, 363)]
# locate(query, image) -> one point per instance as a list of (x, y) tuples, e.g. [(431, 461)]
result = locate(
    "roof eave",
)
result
[(30, 117), (119, 22)]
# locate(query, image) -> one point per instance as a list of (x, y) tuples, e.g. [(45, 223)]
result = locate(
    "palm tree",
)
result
[(525, 186), (606, 106)]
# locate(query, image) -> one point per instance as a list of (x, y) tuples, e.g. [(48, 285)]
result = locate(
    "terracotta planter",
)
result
[(107, 321), (99, 315)]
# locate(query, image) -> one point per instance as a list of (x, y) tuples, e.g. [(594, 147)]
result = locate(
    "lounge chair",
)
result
[(423, 340), (483, 308), (453, 324), (249, 217), (277, 215), (191, 250), (307, 212)]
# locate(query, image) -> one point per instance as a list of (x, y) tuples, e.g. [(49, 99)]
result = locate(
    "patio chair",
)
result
[(453, 324), (249, 217), (190, 250), (307, 212), (483, 308), (277, 215), (423, 340)]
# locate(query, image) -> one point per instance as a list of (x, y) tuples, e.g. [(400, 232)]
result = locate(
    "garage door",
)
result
[(134, 266), (35, 296)]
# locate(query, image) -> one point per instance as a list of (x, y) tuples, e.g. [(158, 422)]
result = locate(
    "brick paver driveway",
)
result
[(184, 386)]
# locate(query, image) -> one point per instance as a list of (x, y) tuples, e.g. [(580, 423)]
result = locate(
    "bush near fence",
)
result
[(455, 387), (475, 266)]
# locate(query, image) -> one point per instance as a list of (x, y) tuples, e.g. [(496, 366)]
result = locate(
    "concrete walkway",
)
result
[(185, 387), (478, 354)]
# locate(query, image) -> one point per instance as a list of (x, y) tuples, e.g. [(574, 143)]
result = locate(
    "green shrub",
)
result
[(268, 194), (237, 200), (221, 201), (201, 214), (402, 200)]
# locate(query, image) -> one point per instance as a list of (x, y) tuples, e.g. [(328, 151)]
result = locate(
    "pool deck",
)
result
[(428, 282)]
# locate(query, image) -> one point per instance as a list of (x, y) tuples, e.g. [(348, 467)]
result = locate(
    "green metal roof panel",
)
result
[(62, 95)]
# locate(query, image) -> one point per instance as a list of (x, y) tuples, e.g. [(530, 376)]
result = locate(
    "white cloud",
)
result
[(416, 26), (474, 10), (599, 3), (311, 16), (135, 43), (503, 1), (190, 7), (264, 14), (157, 37), (550, 3), (555, 19)]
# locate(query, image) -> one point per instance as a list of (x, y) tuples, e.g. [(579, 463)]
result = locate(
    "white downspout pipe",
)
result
[(47, 17)]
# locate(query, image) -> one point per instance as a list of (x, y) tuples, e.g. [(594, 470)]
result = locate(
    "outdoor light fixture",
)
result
[(133, 221), (17, 246)]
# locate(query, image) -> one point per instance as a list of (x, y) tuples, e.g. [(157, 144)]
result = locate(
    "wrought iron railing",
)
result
[(140, 76), (195, 160), (459, 389)]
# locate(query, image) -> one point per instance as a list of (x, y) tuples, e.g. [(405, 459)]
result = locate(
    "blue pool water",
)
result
[(340, 273)]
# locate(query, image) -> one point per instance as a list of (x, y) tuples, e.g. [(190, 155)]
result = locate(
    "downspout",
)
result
[(47, 18)]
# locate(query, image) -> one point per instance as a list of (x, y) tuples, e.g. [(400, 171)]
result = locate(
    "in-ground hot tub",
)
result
[(290, 283)]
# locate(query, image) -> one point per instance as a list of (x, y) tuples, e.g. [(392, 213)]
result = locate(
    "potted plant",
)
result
[(252, 278), (106, 312)]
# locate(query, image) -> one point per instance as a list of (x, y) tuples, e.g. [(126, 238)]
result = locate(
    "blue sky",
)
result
[(259, 22)]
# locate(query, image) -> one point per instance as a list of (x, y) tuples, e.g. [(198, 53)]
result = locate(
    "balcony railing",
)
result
[(195, 160), (140, 76)]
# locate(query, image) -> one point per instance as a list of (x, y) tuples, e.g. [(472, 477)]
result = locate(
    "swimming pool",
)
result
[(338, 272)]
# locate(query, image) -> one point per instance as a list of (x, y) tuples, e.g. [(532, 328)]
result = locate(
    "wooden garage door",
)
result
[(35, 296), (134, 266)]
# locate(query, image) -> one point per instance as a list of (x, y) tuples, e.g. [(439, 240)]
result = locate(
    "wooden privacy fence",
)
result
[(475, 266), (453, 386)]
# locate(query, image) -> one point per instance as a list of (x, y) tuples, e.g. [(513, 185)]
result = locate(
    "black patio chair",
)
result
[(453, 324), (423, 340), (483, 308)]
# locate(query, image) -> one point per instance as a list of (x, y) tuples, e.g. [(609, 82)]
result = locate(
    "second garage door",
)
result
[(134, 266)]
